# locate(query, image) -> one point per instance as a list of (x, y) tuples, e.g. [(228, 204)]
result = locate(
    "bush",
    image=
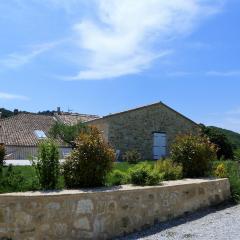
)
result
[(169, 170), (117, 177), (144, 174), (2, 155), (90, 162), (221, 171), (194, 153), (132, 157), (47, 164), (11, 181)]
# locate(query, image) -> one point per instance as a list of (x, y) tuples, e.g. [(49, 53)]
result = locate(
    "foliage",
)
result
[(90, 162), (144, 174), (217, 137), (67, 133), (233, 137), (194, 153), (237, 155), (220, 171), (2, 155), (47, 164), (233, 174), (13, 180), (132, 156), (169, 170), (117, 177)]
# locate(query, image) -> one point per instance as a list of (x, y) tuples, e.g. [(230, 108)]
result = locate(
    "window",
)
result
[(40, 134)]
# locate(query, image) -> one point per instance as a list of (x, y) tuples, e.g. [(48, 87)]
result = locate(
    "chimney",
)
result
[(59, 110), (15, 112)]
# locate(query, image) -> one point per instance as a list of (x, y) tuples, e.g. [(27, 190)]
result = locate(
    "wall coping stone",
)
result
[(123, 188)]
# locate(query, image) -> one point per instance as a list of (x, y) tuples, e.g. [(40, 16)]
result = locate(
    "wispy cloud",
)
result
[(8, 96), (15, 60), (184, 73), (231, 73), (120, 40), (228, 119)]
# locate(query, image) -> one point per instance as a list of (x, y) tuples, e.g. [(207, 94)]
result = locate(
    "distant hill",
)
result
[(233, 137)]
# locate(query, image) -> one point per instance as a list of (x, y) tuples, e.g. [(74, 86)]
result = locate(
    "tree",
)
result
[(67, 133), (225, 148)]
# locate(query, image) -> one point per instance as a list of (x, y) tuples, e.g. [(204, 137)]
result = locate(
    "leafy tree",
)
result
[(67, 133), (225, 148)]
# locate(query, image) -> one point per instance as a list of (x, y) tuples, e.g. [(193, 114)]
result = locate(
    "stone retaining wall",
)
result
[(103, 213)]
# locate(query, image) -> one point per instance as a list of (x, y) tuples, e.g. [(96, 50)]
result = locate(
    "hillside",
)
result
[(233, 137)]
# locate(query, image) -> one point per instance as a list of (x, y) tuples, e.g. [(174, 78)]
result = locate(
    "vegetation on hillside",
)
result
[(233, 137), (224, 146)]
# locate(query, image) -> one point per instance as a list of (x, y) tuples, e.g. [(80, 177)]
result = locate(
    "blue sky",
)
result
[(105, 56)]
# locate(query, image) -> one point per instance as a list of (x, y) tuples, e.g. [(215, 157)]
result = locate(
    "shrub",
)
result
[(2, 155), (117, 177), (220, 171), (47, 164), (132, 156), (169, 170), (11, 181), (90, 162), (144, 174), (194, 153)]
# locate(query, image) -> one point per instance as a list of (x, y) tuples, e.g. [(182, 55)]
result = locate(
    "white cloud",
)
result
[(231, 73), (8, 96), (122, 38), (15, 60)]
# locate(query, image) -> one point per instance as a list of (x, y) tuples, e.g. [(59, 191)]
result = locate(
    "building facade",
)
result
[(150, 130)]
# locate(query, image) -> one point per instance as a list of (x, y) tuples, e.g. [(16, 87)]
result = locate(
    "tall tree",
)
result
[(67, 133)]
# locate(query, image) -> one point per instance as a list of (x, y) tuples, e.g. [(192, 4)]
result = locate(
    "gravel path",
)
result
[(221, 223)]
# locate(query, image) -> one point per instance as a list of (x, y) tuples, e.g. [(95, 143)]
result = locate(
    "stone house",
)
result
[(22, 132), (149, 129)]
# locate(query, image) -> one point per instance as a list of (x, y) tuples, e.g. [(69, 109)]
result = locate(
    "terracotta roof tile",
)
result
[(19, 129)]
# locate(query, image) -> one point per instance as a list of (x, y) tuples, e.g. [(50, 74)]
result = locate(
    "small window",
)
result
[(40, 134)]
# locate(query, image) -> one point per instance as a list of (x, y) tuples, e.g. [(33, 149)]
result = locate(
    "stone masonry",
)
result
[(103, 213), (134, 129)]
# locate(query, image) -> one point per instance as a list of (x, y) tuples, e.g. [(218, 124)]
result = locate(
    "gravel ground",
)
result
[(220, 223)]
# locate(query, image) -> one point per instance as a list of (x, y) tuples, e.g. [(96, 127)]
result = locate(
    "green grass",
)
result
[(24, 178), (124, 166)]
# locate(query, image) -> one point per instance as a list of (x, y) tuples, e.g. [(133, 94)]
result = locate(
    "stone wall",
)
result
[(103, 213), (134, 129)]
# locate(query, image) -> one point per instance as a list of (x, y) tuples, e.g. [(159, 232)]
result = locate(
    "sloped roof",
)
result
[(72, 119), (19, 129), (141, 107)]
